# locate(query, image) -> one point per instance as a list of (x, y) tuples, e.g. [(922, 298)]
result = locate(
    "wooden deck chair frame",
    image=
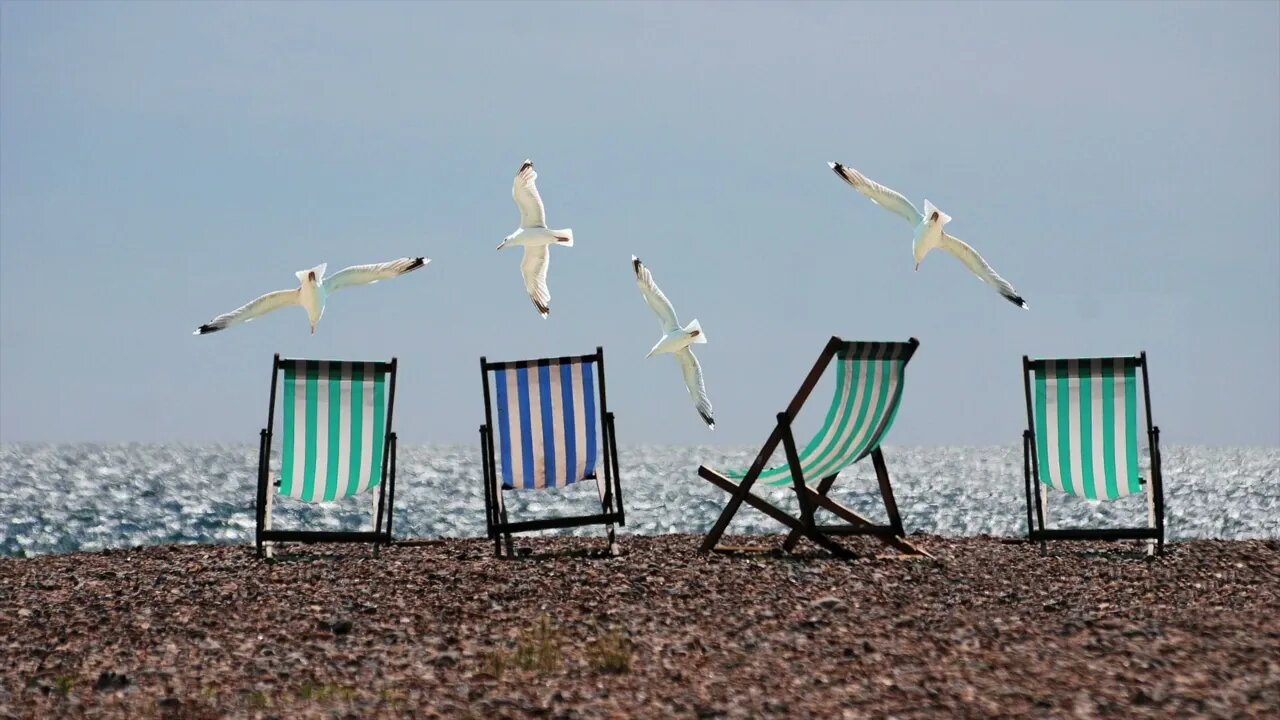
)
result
[(1037, 493), (382, 501), (810, 498), (499, 527)]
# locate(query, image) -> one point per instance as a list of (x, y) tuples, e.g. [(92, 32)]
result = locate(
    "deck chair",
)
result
[(1082, 440), (547, 434), (337, 443), (868, 388)]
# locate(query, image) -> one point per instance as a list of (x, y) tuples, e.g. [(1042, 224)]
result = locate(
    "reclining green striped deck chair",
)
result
[(868, 388), (1082, 440), (338, 443), (548, 429)]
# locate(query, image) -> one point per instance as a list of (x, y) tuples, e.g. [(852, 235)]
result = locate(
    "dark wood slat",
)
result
[(316, 536), (774, 512), (848, 515), (1097, 534), (556, 523)]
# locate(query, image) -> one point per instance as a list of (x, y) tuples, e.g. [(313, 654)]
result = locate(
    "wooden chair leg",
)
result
[(886, 492), (793, 538), (777, 513), (1151, 519), (738, 492), (1044, 516), (268, 546)]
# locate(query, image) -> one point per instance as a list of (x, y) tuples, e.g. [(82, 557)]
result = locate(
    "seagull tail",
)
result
[(695, 330), (318, 270), (930, 209), (564, 238)]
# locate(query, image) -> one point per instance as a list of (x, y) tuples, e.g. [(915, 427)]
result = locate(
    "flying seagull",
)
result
[(676, 340), (928, 231), (315, 289), (535, 237)]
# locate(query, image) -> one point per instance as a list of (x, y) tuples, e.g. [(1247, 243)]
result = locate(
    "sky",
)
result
[(161, 163)]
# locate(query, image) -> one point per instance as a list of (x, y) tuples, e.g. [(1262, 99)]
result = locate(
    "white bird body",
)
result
[(534, 236), (679, 339), (313, 292), (676, 340), (928, 233), (538, 237)]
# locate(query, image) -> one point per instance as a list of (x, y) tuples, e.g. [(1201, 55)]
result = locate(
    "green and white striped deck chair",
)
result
[(1082, 440), (338, 443), (868, 388)]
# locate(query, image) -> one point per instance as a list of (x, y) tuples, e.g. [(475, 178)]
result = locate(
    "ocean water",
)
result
[(67, 498)]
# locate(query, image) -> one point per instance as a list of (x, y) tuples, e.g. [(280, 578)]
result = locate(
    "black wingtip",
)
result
[(543, 310), (635, 264), (710, 421), (206, 329), (1017, 300), (837, 168), (417, 263), (525, 166)]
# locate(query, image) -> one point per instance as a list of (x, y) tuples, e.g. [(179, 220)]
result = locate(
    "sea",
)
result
[(87, 498)]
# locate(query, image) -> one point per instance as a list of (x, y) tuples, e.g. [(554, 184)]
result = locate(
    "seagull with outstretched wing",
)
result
[(929, 232), (534, 236), (313, 292), (676, 340)]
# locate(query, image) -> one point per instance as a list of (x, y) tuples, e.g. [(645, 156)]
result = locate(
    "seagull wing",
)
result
[(366, 274), (525, 193), (270, 302), (979, 267), (653, 296), (890, 200), (693, 381), (534, 269)]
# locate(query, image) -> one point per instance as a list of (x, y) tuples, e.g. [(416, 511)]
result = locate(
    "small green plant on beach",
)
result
[(392, 698), (63, 684), (325, 693), (258, 699), (539, 648), (610, 653), (496, 663)]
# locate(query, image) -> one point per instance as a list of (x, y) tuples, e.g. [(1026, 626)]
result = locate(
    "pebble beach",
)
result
[(990, 628)]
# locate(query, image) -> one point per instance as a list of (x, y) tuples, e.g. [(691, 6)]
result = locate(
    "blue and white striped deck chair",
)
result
[(547, 426), (337, 443), (864, 403), (1082, 440)]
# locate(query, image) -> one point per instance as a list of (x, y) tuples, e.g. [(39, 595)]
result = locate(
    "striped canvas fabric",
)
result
[(334, 428), (1086, 426), (868, 387), (547, 422)]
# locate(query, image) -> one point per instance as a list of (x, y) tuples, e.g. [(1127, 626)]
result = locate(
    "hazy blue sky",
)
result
[(162, 163)]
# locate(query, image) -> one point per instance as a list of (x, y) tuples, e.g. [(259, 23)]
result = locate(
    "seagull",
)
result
[(315, 289), (676, 340), (928, 231), (535, 237)]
